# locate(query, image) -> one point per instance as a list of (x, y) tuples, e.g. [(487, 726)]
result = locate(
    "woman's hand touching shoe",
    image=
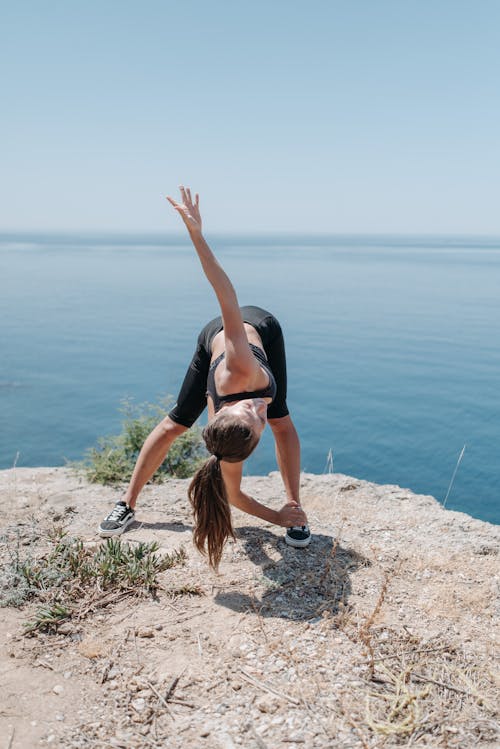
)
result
[(291, 514)]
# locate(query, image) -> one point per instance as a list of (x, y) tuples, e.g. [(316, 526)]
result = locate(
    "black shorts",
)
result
[(192, 398)]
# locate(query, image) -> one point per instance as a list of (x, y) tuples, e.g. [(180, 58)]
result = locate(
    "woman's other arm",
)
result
[(289, 515)]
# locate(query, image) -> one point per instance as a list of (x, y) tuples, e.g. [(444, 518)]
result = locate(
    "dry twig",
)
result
[(272, 690), (173, 686), (11, 739), (163, 702), (422, 677), (365, 633)]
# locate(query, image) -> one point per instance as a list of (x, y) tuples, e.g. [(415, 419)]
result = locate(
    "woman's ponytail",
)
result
[(228, 439), (212, 514)]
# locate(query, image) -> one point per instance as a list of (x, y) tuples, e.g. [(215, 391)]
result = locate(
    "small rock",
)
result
[(59, 716), (66, 628), (91, 648), (265, 705), (138, 704), (159, 627), (50, 738), (68, 674), (146, 632), (58, 689)]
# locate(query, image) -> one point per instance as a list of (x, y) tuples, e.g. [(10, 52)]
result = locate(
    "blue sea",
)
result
[(392, 344)]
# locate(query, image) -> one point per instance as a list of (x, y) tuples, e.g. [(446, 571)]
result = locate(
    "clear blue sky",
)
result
[(319, 116)]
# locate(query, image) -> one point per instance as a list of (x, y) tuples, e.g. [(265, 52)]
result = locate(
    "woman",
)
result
[(239, 372)]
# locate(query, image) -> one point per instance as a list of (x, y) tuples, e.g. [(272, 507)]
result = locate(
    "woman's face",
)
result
[(252, 411)]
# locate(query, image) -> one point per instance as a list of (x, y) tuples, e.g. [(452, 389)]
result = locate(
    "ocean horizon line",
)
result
[(152, 238)]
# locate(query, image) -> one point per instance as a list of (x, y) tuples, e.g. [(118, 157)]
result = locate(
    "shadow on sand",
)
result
[(177, 527), (301, 583)]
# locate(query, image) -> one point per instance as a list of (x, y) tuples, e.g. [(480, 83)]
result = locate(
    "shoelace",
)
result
[(118, 512)]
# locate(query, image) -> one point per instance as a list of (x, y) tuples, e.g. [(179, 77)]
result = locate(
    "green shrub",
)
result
[(113, 460)]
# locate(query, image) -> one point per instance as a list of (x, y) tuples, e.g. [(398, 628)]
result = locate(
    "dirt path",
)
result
[(381, 633)]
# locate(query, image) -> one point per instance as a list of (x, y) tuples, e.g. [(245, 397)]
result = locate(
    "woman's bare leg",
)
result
[(152, 455)]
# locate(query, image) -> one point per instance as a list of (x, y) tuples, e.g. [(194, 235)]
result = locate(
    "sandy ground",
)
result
[(381, 633)]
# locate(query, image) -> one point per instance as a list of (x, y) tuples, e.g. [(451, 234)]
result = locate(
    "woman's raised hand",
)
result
[(189, 211)]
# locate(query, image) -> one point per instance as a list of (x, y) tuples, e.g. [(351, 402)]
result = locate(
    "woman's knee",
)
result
[(169, 428), (172, 427)]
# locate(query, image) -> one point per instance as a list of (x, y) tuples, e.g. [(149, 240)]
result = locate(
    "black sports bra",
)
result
[(267, 392)]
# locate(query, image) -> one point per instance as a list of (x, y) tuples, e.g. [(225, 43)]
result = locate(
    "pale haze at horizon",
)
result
[(326, 117)]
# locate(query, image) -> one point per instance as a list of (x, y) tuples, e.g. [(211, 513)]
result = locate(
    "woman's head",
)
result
[(234, 432), (232, 435)]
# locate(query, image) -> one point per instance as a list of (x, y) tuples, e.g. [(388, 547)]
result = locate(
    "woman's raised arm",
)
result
[(239, 358)]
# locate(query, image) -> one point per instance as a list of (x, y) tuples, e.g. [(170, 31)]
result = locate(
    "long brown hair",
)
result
[(227, 438)]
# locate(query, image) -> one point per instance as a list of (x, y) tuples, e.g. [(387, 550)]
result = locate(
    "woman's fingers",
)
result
[(186, 195), (187, 199), (292, 514), (187, 211), (177, 206), (296, 514)]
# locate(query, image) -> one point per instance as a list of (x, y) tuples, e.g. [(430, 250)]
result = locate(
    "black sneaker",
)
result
[(117, 520), (298, 536)]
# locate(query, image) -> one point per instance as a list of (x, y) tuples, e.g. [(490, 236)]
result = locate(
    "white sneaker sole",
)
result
[(297, 543)]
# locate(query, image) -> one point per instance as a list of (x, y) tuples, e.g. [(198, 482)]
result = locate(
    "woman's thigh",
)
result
[(192, 397)]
